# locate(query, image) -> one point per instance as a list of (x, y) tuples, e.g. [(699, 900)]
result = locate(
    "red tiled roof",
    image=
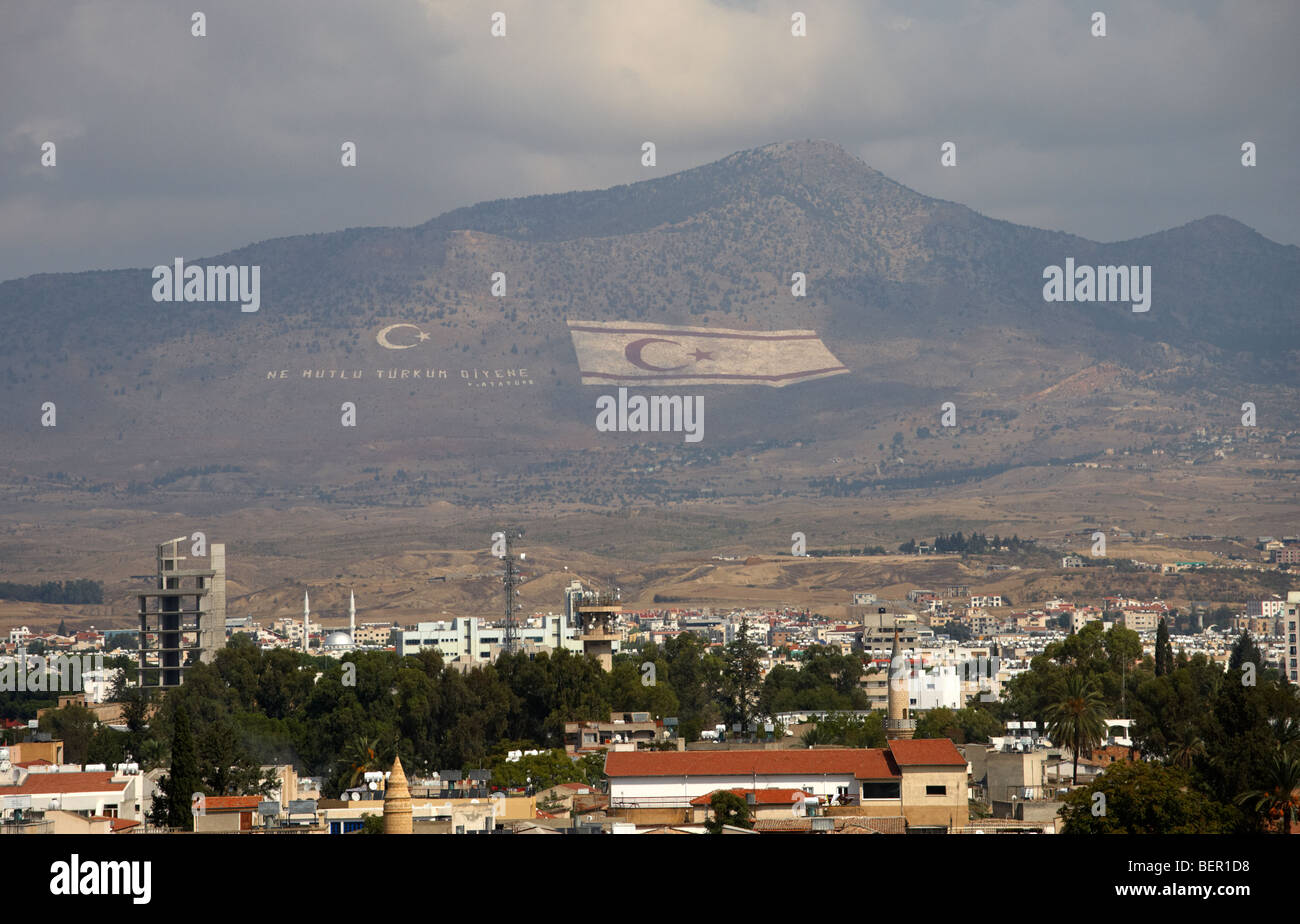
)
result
[(221, 803), (121, 824), (783, 797), (46, 783), (926, 752), (886, 824), (863, 763), (38, 762)]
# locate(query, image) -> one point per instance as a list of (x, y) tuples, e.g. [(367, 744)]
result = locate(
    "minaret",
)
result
[(352, 618), (306, 620), (397, 801), (897, 723)]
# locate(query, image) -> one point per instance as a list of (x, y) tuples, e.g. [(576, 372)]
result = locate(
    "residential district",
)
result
[(948, 710)]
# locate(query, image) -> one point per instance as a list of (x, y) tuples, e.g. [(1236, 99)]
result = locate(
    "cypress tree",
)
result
[(184, 779), (1164, 651)]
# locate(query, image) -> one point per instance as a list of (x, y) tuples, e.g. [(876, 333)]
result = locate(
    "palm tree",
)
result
[(362, 755), (1075, 717), (815, 736), (1185, 746), (1287, 731), (1280, 798)]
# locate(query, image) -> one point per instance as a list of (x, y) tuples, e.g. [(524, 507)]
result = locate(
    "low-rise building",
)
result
[(923, 781)]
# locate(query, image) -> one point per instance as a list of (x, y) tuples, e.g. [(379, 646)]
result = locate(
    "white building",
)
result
[(939, 687), (757, 629), (98, 683), (468, 638), (647, 779), (121, 793), (1265, 609)]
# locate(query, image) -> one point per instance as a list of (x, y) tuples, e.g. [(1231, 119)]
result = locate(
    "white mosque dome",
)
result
[(337, 639)]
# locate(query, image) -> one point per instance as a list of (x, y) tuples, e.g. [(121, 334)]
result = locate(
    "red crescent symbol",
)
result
[(633, 354)]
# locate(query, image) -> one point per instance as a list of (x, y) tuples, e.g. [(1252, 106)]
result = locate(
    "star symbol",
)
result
[(701, 354), (423, 336)]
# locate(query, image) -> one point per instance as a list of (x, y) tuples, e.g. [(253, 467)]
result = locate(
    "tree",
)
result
[(961, 725), (1185, 747), (225, 767), (1142, 798), (1279, 800), (75, 726), (371, 824), (362, 757), (1075, 718), (741, 675), (727, 808), (593, 768), (172, 804), (847, 731), (1164, 650), (540, 771)]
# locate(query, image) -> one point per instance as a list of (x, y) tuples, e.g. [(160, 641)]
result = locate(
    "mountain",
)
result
[(924, 300)]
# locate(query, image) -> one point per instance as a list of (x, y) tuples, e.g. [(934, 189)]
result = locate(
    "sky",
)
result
[(171, 145)]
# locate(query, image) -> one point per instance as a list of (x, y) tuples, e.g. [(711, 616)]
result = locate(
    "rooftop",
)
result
[(48, 783), (863, 763)]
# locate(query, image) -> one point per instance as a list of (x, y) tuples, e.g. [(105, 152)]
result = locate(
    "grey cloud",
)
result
[(174, 145)]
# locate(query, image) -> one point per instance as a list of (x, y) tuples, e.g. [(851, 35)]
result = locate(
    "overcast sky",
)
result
[(170, 145)]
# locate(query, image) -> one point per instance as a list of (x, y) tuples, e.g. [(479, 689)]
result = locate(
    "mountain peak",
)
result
[(820, 155), (800, 168)]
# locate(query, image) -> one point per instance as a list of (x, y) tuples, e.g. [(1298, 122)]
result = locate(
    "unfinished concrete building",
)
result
[(598, 618), (183, 620)]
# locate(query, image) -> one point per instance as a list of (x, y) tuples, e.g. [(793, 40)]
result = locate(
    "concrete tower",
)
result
[(898, 723), (306, 620), (352, 617), (183, 618), (397, 802), (597, 620)]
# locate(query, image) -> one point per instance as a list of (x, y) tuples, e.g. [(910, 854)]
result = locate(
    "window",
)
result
[(936, 790), (880, 790)]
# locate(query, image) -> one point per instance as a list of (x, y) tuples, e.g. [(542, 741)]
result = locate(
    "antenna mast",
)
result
[(511, 580)]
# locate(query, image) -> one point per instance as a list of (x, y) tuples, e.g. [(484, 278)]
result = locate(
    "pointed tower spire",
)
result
[(352, 617), (306, 619), (397, 801), (897, 723)]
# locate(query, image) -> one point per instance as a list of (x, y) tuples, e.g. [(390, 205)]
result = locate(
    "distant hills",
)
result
[(924, 300)]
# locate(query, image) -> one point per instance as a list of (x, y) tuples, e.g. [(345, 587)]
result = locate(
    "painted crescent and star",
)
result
[(632, 352), (382, 337)]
